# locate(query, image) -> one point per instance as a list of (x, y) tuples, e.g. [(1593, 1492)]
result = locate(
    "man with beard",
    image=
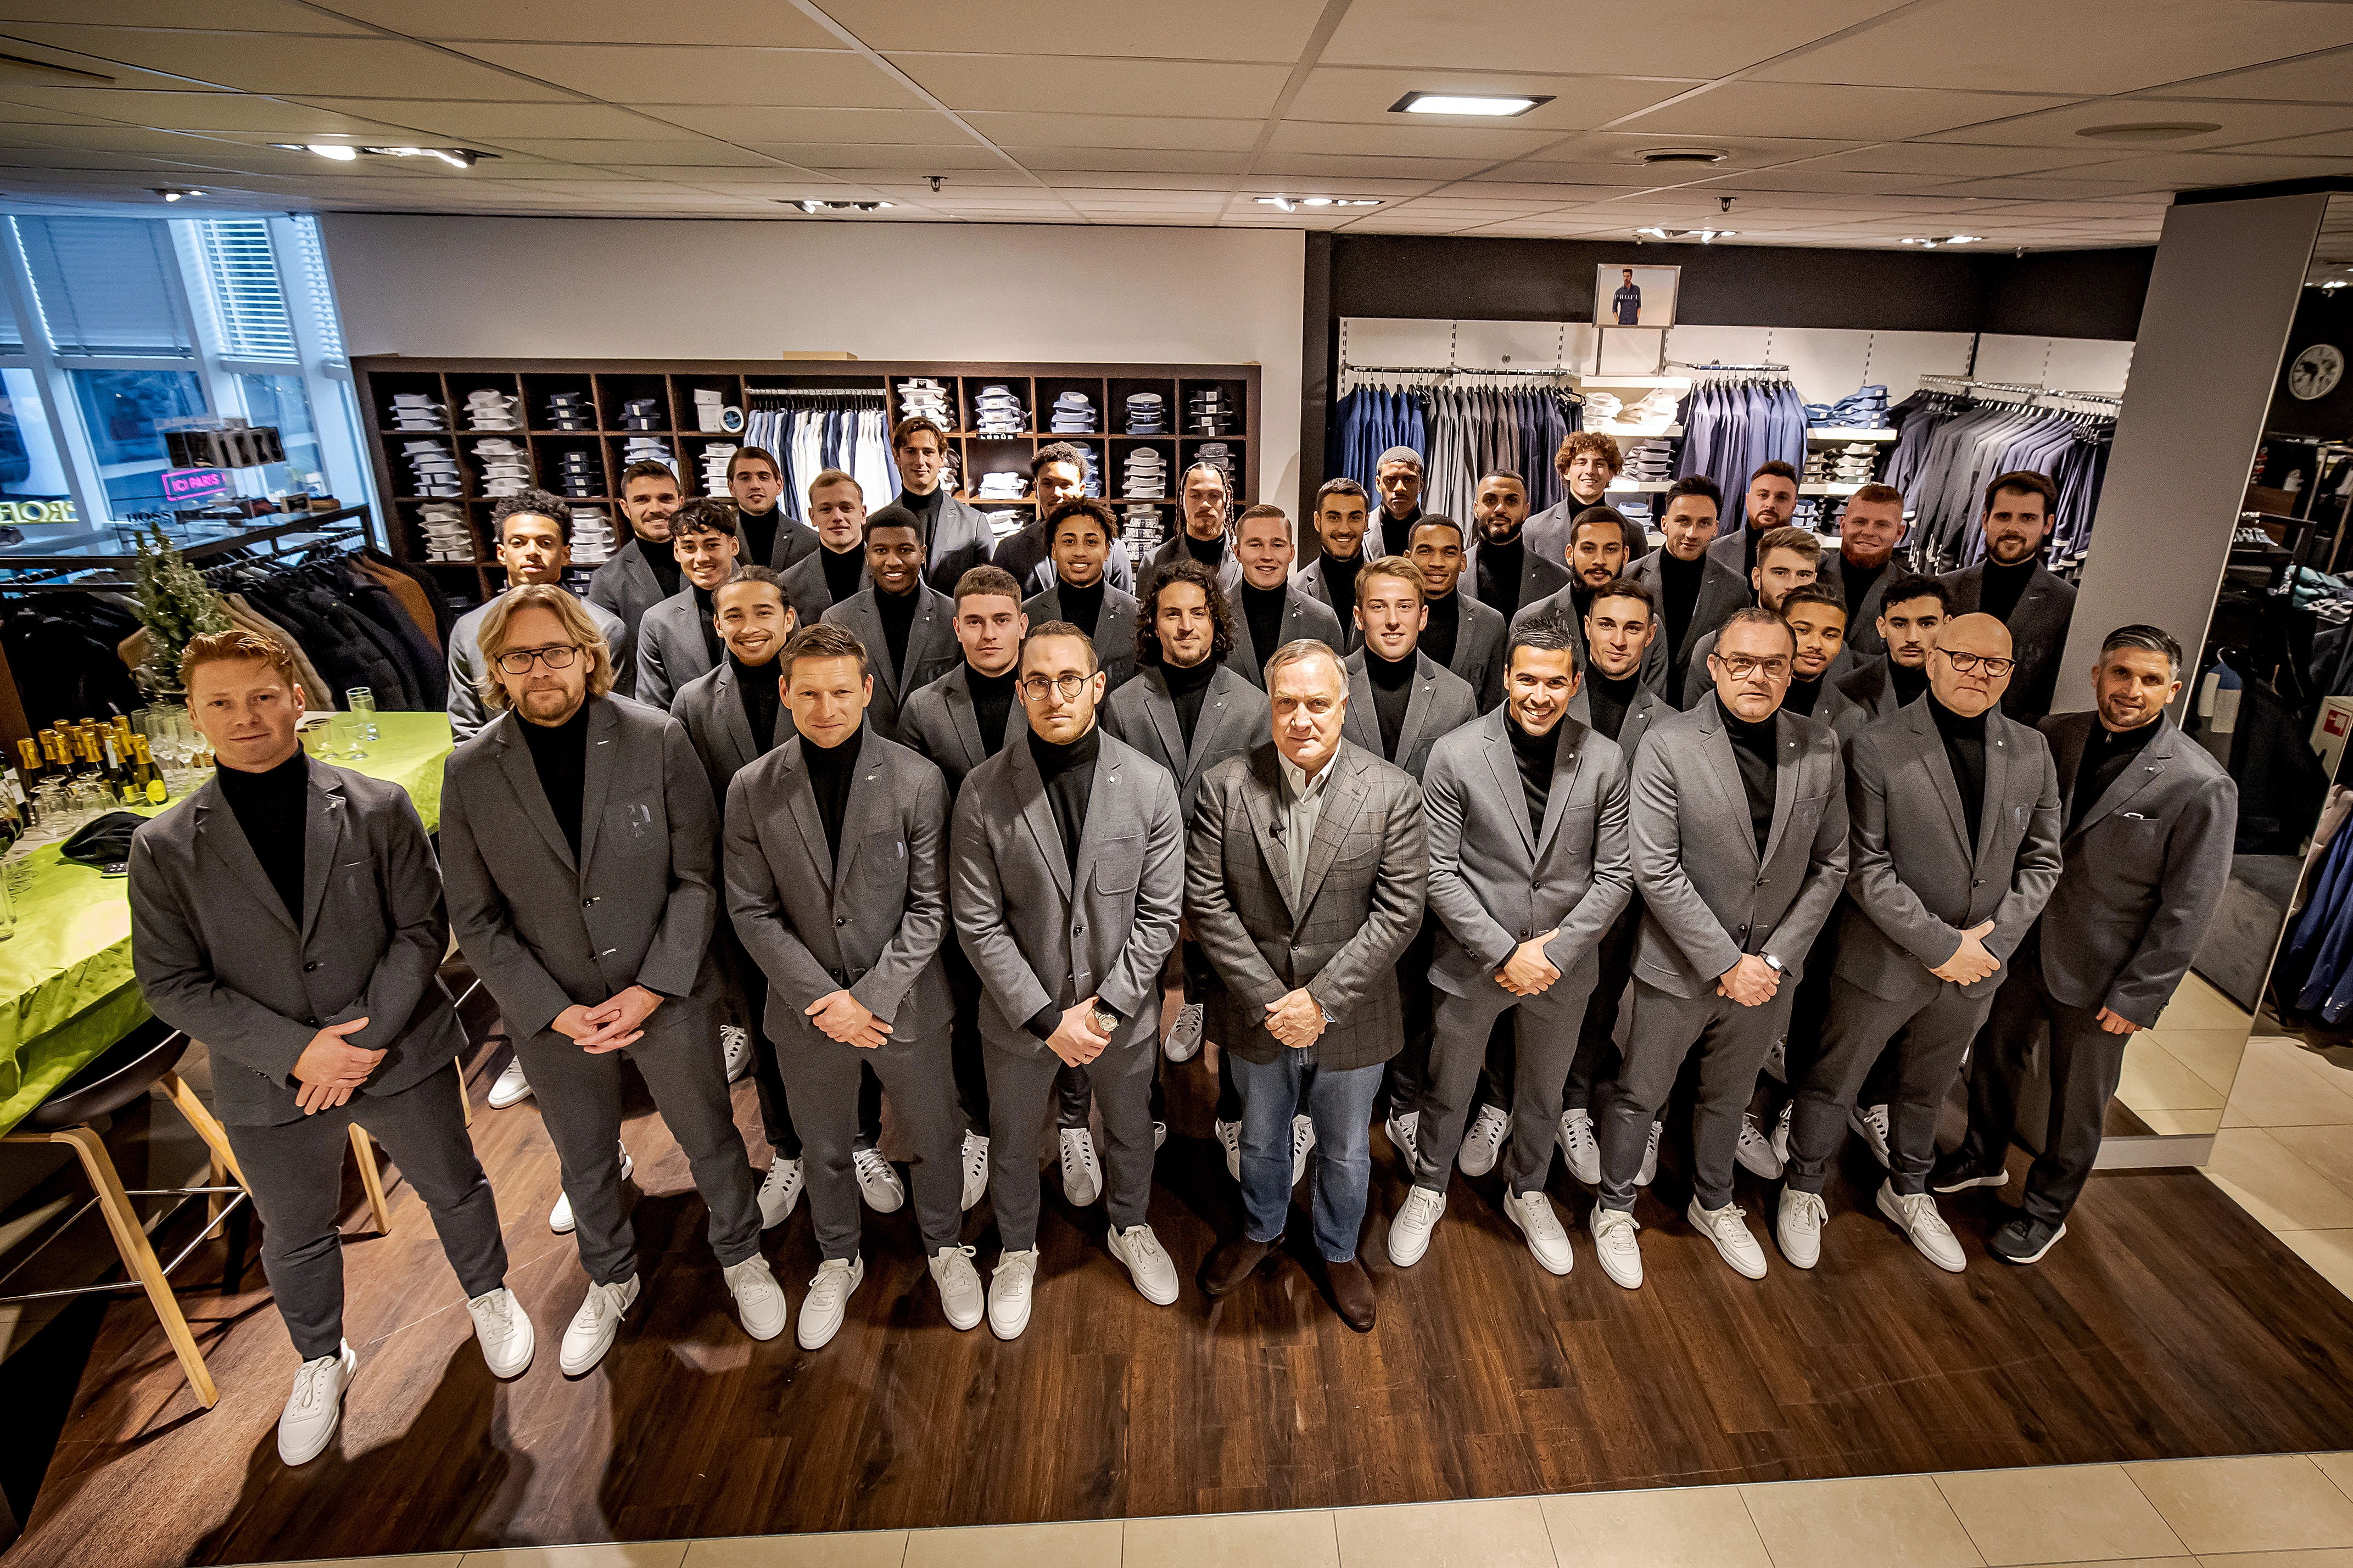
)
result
[(1692, 591), (1602, 544), (1588, 463), (1207, 536), (1504, 573), (1869, 528), (1911, 609), (1341, 528), (642, 572), (1787, 558), (1770, 500), (2012, 587)]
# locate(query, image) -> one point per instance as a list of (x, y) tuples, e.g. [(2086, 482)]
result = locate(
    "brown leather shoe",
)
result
[(1235, 1261), (1352, 1294)]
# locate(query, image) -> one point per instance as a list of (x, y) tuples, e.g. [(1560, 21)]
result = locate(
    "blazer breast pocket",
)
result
[(636, 824), (1119, 865), (882, 864)]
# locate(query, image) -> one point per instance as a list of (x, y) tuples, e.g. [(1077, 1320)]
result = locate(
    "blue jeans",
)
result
[(1341, 1105)]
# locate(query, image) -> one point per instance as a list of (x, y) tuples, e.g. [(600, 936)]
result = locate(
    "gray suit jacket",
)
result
[(1040, 935), (1561, 605), (1541, 577), (794, 541), (1708, 897), (1358, 907), (625, 585), (1918, 883), (1234, 717), (1649, 708), (1862, 626), (940, 724), (544, 930), (1479, 645), (932, 651), (1722, 589), (805, 590), (1871, 687), (469, 712), (1440, 703), (1309, 580), (1025, 554), (1698, 683), (1303, 615), (961, 540), (670, 648), (711, 706), (1494, 881), (1114, 630), (2038, 634), (218, 957), (1229, 570), (2144, 872), (871, 924), (1547, 532)]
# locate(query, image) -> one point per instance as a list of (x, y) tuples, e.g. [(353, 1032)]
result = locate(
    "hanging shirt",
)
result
[(842, 572), (1611, 697), (1392, 681), (1500, 564), (2107, 754), (273, 806), (898, 612), (1263, 608), (559, 755), (1083, 607), (992, 704), (663, 560), (757, 686), (1438, 639), (1680, 579), (1186, 687), (1535, 755), (1753, 748), (1965, 750), (830, 771)]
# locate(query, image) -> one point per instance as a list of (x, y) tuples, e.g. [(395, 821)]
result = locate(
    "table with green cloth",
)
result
[(66, 975)]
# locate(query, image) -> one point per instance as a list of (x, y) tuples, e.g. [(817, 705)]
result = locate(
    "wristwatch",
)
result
[(1772, 964), (1106, 1021)]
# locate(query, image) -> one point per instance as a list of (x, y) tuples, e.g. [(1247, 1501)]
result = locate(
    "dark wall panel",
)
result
[(2323, 316)]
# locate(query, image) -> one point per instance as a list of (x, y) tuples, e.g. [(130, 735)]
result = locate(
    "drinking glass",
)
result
[(362, 701), (8, 911), (345, 731)]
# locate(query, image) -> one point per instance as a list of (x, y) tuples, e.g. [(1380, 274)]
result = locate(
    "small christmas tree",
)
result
[(175, 604)]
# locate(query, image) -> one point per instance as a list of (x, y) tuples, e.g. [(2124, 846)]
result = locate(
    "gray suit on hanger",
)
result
[(1917, 884), (941, 725), (468, 670), (672, 649), (625, 585), (1302, 617), (1234, 717), (806, 589), (932, 651), (2038, 634), (1115, 629), (547, 929), (1309, 579), (1722, 590), (794, 541), (1441, 703), (1479, 638)]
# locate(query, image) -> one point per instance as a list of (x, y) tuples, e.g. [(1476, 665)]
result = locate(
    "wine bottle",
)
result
[(146, 774)]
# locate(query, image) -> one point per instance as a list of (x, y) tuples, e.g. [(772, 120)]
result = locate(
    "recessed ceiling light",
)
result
[(330, 150), (456, 157), (1704, 236), (1931, 244), (1292, 203), (1491, 105), (809, 204), (1668, 156), (2150, 130), (173, 193)]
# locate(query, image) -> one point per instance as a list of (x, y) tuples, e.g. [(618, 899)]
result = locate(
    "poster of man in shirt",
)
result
[(1635, 296)]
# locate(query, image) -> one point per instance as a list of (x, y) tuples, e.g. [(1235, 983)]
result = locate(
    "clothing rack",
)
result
[(1767, 369), (340, 531), (2023, 389), (823, 397), (1449, 371)]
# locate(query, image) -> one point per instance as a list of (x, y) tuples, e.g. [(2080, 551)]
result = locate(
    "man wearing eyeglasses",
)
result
[(1069, 880), (532, 530), (1956, 810), (678, 641), (1787, 558)]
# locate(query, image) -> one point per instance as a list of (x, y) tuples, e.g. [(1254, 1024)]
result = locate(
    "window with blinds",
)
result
[(104, 286), (248, 306), (318, 286)]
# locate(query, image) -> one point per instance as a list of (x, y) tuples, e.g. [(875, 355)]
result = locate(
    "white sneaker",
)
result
[(959, 1283), (1777, 1058), (1485, 1141), (1869, 1124), (1915, 1216), (1082, 1176), (1532, 1213), (1148, 1263), (1159, 1136), (1579, 1150), (505, 1332), (1650, 1171), (1302, 1143), (590, 1333), (559, 1218), (1799, 1226), (1614, 1245), (1008, 1293), (759, 1300), (1780, 1139), (1410, 1232), (877, 1183), (976, 1167), (736, 1044), (828, 1301), (1183, 1041), (315, 1408), (1755, 1150), (1230, 1133), (1728, 1228), (780, 1189), (510, 1085), (1405, 1136)]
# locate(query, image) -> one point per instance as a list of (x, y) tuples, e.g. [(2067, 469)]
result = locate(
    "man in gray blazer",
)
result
[(2012, 587), (289, 914), (1304, 878), (1528, 868), (2150, 817), (1498, 567), (642, 572), (533, 533), (1587, 462), (1601, 542), (1739, 847), (1868, 558), (1068, 864), (580, 851), (907, 626), (769, 537), (1692, 588), (955, 537), (835, 571), (836, 882), (676, 641), (1957, 815), (1463, 635), (1081, 595), (1344, 549), (1270, 608), (1057, 474), (1817, 618), (1206, 535), (1911, 609), (1787, 558)]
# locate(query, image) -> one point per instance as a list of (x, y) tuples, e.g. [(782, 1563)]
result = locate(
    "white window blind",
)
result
[(248, 309), (12, 336), (318, 286), (104, 285)]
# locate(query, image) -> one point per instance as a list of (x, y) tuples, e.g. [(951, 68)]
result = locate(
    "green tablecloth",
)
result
[(66, 975)]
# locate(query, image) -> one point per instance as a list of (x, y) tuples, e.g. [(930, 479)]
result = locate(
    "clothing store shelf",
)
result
[(1647, 486), (1828, 433), (1639, 432), (1831, 490)]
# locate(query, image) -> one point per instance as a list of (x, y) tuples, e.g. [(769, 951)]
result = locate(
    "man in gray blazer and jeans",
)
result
[(1304, 878), (581, 850), (288, 914)]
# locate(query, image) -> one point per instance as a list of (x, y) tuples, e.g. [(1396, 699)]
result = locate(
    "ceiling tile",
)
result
[(1327, 167), (1579, 102), (2240, 121), (246, 15), (1263, 30), (229, 112), (281, 63), (1791, 109), (2322, 78), (754, 22), (914, 126), (702, 152), (1116, 130), (1700, 39), (1097, 86), (921, 160), (2179, 171), (2334, 144), (1118, 158), (492, 121), (626, 73), (1951, 160), (2060, 186), (1408, 140)]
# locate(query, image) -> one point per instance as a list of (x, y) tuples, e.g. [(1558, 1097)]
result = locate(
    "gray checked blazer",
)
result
[(217, 956), (670, 648), (1722, 589), (805, 590), (1708, 897), (1309, 579), (1115, 636), (2038, 634), (1442, 702), (1479, 638), (1916, 882), (941, 725), (1359, 905), (2144, 871), (711, 706), (469, 712), (1494, 881), (544, 931), (1649, 708), (1303, 615), (932, 651), (1561, 603), (625, 585), (1040, 935), (1235, 717), (871, 924)]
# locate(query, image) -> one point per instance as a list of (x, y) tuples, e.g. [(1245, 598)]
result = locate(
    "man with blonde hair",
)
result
[(835, 570)]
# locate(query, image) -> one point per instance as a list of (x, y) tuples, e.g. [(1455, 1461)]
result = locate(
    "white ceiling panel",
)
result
[(702, 151), (1263, 30), (1702, 38), (282, 63), (1794, 110), (920, 160), (640, 73), (1014, 83), (254, 15), (2237, 121), (1115, 130), (1948, 159), (1579, 102), (1102, 158), (489, 121), (1322, 166), (729, 22), (1492, 144), (2323, 77)]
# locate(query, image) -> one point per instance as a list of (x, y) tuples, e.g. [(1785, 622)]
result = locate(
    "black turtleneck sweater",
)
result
[(1680, 580), (271, 807), (1611, 697), (992, 704), (898, 612), (757, 684), (663, 560), (1262, 608), (712, 645), (759, 534), (926, 509), (1397, 531), (1802, 696), (1340, 580), (2107, 754), (1535, 755), (1210, 553), (1858, 582), (1753, 748), (1070, 774), (559, 755), (1998, 596), (1500, 564), (843, 569), (831, 770), (1083, 607), (1965, 750), (1438, 639), (1186, 687), (1909, 680), (1392, 682)]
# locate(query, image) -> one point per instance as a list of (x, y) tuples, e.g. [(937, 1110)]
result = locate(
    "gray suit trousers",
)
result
[(1544, 1038), (1859, 1028), (2082, 1062), (296, 1171), (1020, 1083), (823, 1076), (1732, 1042), (579, 1100)]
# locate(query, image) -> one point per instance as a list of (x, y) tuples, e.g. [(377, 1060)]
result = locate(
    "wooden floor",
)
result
[(2166, 1324)]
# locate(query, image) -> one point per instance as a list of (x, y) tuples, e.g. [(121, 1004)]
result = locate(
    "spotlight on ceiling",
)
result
[(809, 204), (1490, 105), (341, 154), (2149, 131), (1293, 204), (456, 157), (173, 193), (1931, 244), (1704, 236)]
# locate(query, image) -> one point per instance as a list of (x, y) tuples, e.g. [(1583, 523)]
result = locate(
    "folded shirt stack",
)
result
[(642, 413), (715, 460), (1865, 408), (1208, 412), (1144, 528), (999, 487), (445, 532), (1074, 415), (417, 411), (1147, 413), (1004, 525), (997, 411), (435, 466), (492, 410), (571, 410), (506, 467), (1652, 460), (921, 397), (577, 476), (1601, 408), (1144, 476), (1219, 456), (646, 449), (592, 536)]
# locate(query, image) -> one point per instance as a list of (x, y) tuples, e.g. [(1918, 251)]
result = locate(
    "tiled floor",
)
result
[(2285, 1151), (2176, 1076)]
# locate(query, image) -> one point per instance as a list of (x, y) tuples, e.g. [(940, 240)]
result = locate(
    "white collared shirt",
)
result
[(1302, 807)]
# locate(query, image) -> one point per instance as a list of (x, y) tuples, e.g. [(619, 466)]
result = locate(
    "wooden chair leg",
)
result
[(130, 1241), (209, 1128), (372, 1179)]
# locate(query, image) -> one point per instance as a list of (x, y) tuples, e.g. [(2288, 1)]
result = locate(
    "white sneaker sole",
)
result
[(500, 1101), (2036, 1257), (1746, 1267), (1166, 1296), (1894, 1218), (351, 1369)]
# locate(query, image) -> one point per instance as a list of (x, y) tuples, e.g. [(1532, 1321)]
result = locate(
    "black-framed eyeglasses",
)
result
[(518, 661), (1993, 667), (1035, 687)]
